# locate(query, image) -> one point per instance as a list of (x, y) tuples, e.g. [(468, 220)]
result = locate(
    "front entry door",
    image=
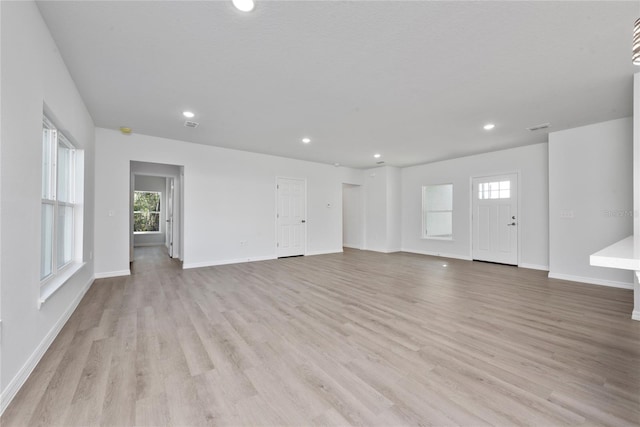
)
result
[(291, 217), (495, 219)]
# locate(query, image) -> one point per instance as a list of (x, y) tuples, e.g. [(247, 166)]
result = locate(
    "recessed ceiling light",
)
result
[(306, 140), (377, 155), (244, 5), (489, 126), (188, 114)]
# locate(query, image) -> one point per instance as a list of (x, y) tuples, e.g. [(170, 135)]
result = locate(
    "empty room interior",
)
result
[(314, 213)]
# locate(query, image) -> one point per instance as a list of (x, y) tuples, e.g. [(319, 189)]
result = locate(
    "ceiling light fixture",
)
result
[(244, 5), (489, 126), (377, 156), (306, 140), (636, 43), (188, 114)]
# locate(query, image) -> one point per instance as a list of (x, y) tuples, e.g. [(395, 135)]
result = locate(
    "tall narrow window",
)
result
[(58, 201), (146, 211), (437, 211)]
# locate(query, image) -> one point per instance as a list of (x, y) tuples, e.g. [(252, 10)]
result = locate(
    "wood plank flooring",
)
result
[(359, 338)]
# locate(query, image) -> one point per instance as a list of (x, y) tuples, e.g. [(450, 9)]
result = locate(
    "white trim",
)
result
[(54, 283), (591, 280), (201, 264), (437, 254), (108, 274), (18, 381), (312, 253), (352, 246), (635, 315), (534, 266)]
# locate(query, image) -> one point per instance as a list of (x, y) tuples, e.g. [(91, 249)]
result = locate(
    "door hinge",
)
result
[(277, 215), (277, 186), (278, 245)]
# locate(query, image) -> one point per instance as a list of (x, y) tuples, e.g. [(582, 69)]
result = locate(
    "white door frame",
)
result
[(519, 204), (275, 214), (179, 201)]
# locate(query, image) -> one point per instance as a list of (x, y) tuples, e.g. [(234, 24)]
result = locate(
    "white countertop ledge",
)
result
[(624, 255)]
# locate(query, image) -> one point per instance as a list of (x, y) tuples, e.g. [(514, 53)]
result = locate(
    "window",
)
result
[(494, 190), (437, 211), (146, 211), (58, 201)]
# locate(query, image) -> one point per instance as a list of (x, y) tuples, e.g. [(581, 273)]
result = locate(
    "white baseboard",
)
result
[(534, 266), (591, 280), (108, 274), (18, 381), (312, 253), (635, 315), (225, 262), (142, 245), (352, 247), (438, 254)]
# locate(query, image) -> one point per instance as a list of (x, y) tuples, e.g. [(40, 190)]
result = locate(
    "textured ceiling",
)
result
[(414, 81)]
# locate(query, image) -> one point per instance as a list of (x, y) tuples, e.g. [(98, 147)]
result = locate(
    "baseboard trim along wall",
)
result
[(352, 247), (107, 274), (438, 254), (323, 252), (23, 374), (201, 264), (534, 266), (591, 281)]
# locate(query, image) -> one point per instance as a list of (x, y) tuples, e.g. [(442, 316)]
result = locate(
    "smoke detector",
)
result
[(191, 124), (538, 127)]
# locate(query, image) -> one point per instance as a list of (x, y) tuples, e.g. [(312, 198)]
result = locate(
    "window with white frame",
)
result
[(494, 190), (437, 211), (58, 201), (146, 211)]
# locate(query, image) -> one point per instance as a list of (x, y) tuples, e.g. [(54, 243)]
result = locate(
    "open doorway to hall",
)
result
[(156, 212)]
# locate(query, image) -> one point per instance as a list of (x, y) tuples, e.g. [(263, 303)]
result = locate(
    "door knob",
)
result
[(513, 223), (303, 221)]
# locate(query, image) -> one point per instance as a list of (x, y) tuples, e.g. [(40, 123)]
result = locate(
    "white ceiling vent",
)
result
[(538, 127), (191, 124)]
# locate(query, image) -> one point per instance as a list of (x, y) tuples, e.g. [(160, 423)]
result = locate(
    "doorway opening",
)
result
[(156, 211), (352, 217), (495, 219)]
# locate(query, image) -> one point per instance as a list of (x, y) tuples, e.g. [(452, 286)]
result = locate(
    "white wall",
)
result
[(229, 197), (352, 216), (590, 177), (153, 183), (33, 74), (394, 209), (529, 161)]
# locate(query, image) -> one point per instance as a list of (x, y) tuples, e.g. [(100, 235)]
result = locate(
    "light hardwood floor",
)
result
[(359, 338)]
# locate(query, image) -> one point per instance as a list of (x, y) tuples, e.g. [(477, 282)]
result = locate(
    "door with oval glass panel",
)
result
[(495, 219)]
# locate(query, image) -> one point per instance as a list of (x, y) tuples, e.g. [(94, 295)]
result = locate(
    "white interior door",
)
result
[(495, 219), (291, 217), (169, 228)]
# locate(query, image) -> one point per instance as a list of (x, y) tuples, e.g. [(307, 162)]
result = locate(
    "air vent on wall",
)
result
[(191, 124), (538, 127)]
